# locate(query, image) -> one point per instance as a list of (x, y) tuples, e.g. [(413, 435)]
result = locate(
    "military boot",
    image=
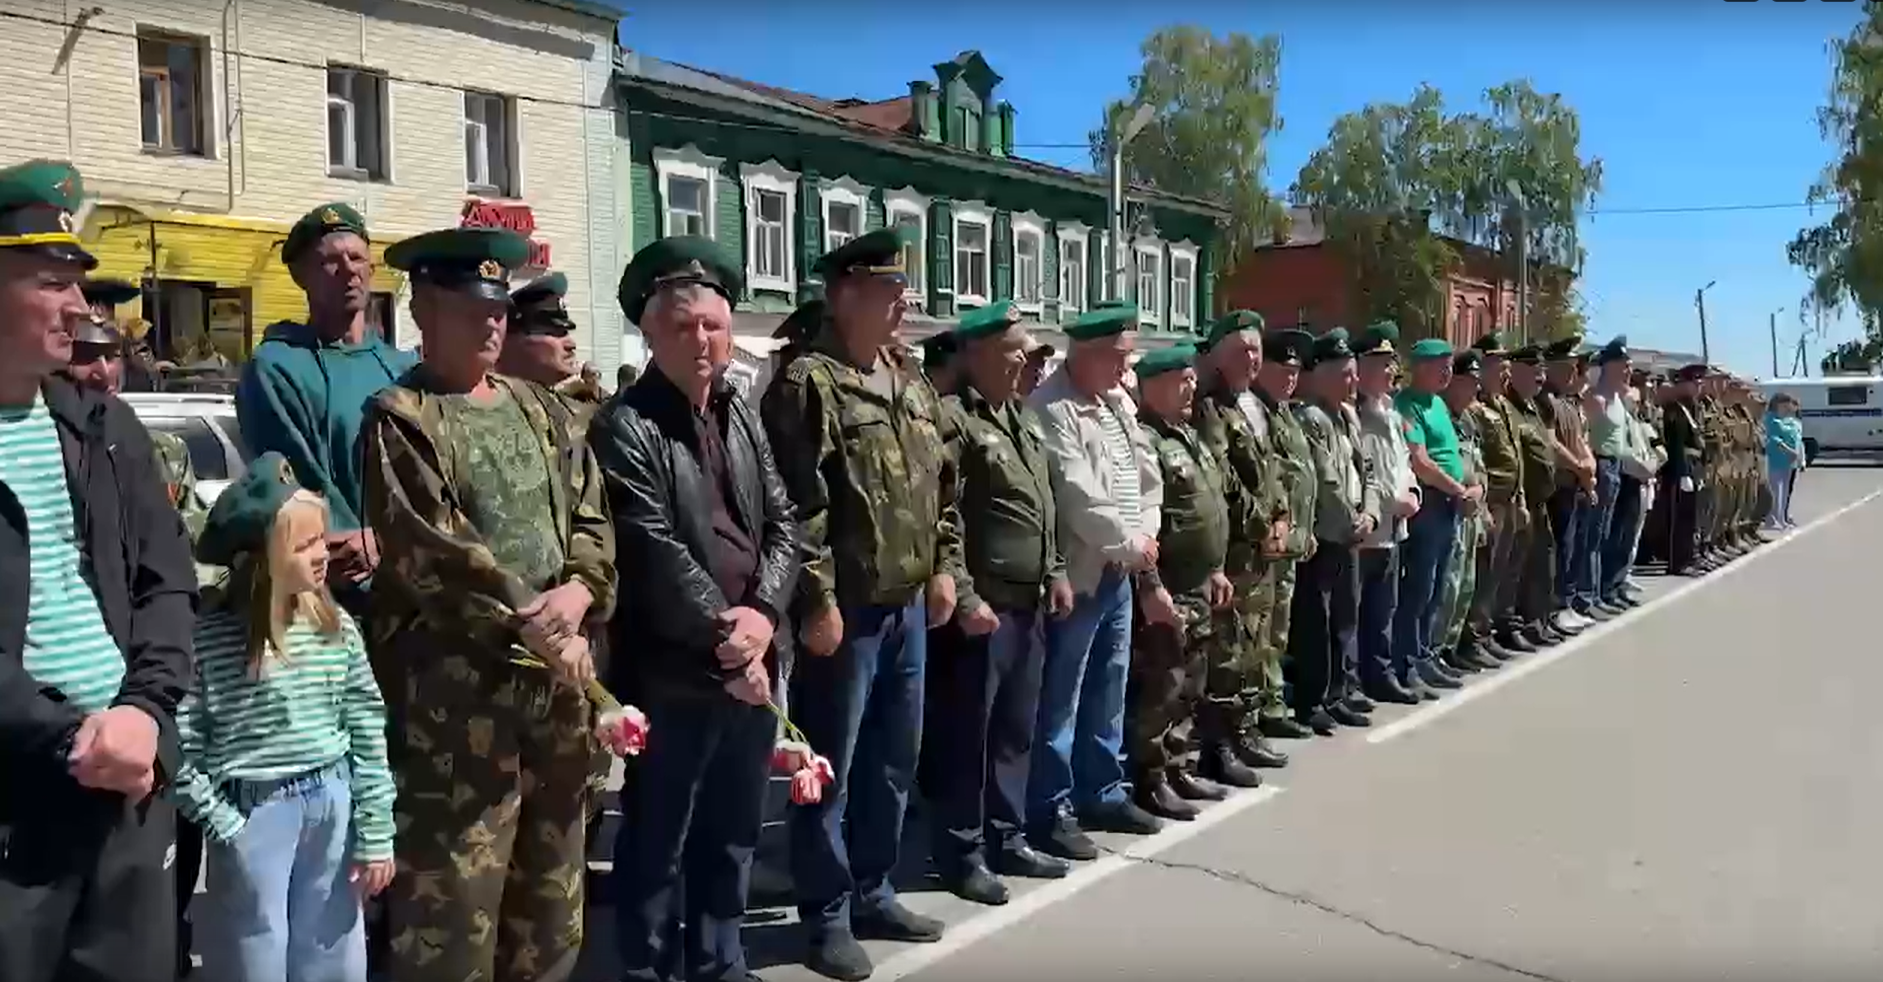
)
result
[(1253, 749), (1219, 763), (1190, 787), (1154, 794)]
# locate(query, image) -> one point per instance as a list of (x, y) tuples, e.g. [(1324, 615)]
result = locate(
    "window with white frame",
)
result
[(1182, 286), (489, 151), (356, 123), (1072, 265), (1029, 259), (906, 209), (688, 191), (843, 201), (175, 101), (972, 227), (771, 198), (1150, 269)]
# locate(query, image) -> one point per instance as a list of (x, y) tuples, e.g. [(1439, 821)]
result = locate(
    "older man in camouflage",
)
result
[(491, 512), (1278, 433), (1491, 622)]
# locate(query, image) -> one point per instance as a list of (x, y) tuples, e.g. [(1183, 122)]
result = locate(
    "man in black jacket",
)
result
[(96, 597), (702, 519)]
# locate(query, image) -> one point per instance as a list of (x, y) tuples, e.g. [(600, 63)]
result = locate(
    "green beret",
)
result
[(1234, 322), (1468, 362), (37, 199), (245, 510), (1492, 343), (1430, 349), (1160, 360), (675, 261), (318, 224), (1330, 347), (1103, 320), (1529, 354), (1615, 350), (877, 253), (938, 349), (537, 307), (1286, 346), (981, 322), (1378, 339), (473, 261)]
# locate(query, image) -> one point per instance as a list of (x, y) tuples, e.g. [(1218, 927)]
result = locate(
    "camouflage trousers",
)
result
[(1268, 645), (1234, 687), (492, 801), (1461, 582), (1166, 682)]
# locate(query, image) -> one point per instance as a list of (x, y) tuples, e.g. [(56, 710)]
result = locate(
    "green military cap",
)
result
[(1234, 322), (1529, 354), (1430, 349), (103, 296), (677, 260), (245, 510), (1615, 350), (877, 253), (1331, 346), (1378, 339), (37, 199), (323, 221), (1491, 345), (537, 307), (1468, 362), (1286, 346), (1160, 360), (472, 261), (1103, 320), (1690, 373), (1563, 349), (981, 322), (938, 348)]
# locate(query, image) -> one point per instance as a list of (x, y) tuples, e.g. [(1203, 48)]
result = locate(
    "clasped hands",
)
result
[(116, 750)]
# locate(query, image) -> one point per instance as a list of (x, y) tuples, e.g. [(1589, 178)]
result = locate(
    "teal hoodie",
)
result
[(306, 399)]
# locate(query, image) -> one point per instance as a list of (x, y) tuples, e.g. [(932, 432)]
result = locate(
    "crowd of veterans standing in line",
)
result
[(374, 688)]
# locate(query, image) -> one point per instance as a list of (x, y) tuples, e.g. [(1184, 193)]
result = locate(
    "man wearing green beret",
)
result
[(984, 678), (539, 343), (491, 513), (1445, 499), (96, 640), (1498, 565), (1540, 623), (1233, 423), (1107, 490), (1347, 510), (1176, 643), (1383, 443), (855, 426), (1457, 648), (305, 388)]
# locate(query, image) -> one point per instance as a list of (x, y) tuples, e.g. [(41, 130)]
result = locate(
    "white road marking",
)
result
[(1474, 691), (1082, 878)]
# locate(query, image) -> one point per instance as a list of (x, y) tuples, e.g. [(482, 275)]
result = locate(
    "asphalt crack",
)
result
[(1238, 878)]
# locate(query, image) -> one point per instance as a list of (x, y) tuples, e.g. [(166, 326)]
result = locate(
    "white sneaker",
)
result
[(1576, 621)]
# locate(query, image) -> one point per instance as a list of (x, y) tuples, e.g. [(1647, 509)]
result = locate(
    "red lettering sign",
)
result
[(512, 215)]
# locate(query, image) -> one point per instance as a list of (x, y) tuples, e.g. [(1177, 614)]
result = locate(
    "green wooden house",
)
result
[(780, 177)]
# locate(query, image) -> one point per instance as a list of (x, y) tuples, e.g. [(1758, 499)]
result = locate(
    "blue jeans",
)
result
[(279, 903), (1422, 561), (1379, 599), (1617, 548), (1567, 517), (1078, 744), (1592, 534), (862, 708)]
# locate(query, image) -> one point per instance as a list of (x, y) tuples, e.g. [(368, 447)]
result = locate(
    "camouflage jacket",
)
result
[(997, 462), (876, 520), (1535, 445), (1193, 539), (1296, 486), (1500, 447), (173, 457), (1257, 498), (1346, 488), (438, 586), (581, 391)]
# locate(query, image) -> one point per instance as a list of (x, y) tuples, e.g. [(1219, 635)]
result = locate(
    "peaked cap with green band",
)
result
[(1564, 349), (1381, 338), (104, 297), (337, 216), (981, 322), (1330, 347), (538, 307), (1104, 320), (1529, 354), (1234, 322), (677, 260), (245, 511), (1468, 362), (37, 202), (1287, 346), (472, 261), (1491, 345), (1160, 360), (877, 253), (1615, 350)]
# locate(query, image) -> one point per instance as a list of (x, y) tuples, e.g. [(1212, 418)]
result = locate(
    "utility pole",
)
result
[(1523, 259), (1115, 278), (1699, 300), (1772, 324)]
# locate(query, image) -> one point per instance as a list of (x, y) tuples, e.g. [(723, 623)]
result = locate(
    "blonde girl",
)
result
[(284, 747)]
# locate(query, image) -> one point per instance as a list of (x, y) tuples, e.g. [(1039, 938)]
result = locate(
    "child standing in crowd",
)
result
[(284, 747), (1784, 456)]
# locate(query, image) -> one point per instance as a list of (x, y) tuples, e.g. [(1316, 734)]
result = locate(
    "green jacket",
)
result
[(1296, 485), (866, 474), (1193, 539), (173, 459), (1255, 493), (998, 468), (1499, 445), (1533, 445), (1344, 488)]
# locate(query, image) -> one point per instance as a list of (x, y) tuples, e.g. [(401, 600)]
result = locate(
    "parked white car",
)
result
[(206, 422)]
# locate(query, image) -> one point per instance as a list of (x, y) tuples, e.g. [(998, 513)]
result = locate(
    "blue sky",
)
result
[(1688, 102)]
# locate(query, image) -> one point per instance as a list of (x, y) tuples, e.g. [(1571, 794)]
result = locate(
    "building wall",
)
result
[(73, 84)]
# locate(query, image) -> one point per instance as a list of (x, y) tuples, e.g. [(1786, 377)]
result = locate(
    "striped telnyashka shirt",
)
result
[(1124, 467)]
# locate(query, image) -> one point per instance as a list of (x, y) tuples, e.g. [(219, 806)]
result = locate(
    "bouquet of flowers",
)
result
[(809, 770), (622, 729)]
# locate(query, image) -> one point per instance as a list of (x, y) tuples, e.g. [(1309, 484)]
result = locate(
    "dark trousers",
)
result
[(1379, 598), (1618, 544), (1566, 517), (1423, 559), (1683, 508), (862, 708), (90, 901), (189, 866), (982, 702), (694, 805), (1325, 611), (1536, 599)]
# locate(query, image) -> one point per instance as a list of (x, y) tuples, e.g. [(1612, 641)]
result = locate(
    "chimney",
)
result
[(1006, 128), (921, 98)]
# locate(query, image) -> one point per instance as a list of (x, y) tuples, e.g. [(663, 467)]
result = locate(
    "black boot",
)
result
[(975, 882), (1220, 764), (1255, 750), (1189, 787), (1283, 728), (1156, 797)]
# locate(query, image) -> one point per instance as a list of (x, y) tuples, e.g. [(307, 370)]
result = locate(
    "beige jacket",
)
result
[(1092, 532)]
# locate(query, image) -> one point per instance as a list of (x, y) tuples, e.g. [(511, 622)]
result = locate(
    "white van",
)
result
[(1839, 412)]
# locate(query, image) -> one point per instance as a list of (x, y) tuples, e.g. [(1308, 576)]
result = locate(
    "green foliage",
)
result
[(1397, 184), (1844, 255), (1859, 355), (1214, 100)]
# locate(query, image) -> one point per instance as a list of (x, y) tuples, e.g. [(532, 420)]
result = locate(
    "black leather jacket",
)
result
[(666, 624)]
